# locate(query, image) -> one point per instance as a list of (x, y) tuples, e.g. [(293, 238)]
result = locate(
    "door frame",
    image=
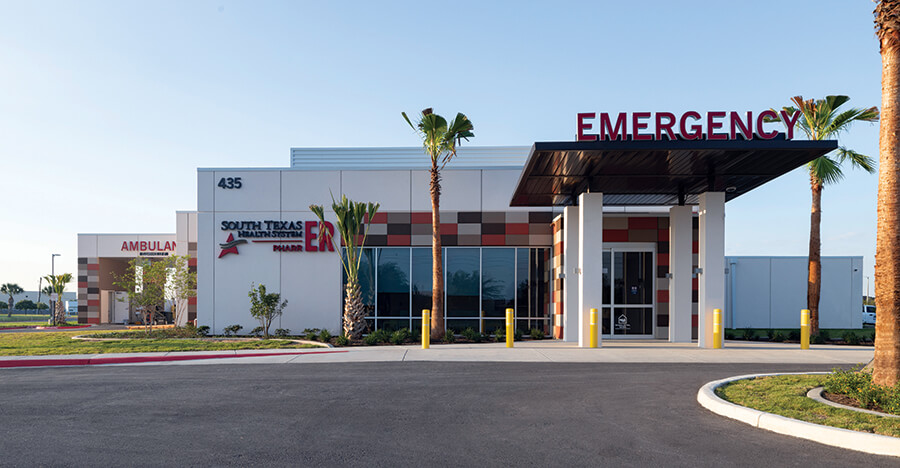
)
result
[(612, 247)]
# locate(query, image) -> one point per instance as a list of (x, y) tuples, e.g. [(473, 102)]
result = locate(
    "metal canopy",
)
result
[(657, 172)]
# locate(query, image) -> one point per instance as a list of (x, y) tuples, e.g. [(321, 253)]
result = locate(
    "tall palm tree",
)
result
[(821, 119), (58, 285), (886, 368), (440, 140), (351, 217), (11, 289)]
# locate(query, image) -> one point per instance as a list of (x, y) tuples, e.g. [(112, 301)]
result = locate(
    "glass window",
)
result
[(522, 282), (497, 281), (393, 282), (463, 282), (421, 281)]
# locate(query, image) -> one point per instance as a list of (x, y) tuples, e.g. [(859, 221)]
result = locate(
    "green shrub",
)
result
[(341, 340), (258, 331), (311, 334), (500, 334), (536, 334), (324, 336), (729, 335), (203, 330), (825, 335), (850, 338), (377, 336), (233, 330), (858, 385), (471, 335), (817, 339), (517, 336), (777, 337), (400, 336), (282, 332), (748, 334), (794, 335), (449, 336)]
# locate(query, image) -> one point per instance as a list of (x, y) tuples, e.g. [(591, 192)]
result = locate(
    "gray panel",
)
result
[(751, 293), (789, 276)]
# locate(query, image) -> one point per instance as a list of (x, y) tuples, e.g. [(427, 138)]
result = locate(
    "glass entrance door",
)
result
[(628, 292)]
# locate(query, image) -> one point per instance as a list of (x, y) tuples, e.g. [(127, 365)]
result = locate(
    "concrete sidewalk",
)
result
[(612, 351)]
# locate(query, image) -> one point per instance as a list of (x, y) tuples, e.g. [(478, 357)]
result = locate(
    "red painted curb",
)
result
[(138, 359)]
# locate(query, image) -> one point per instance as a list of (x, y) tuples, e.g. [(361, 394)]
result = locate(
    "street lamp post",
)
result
[(53, 275)]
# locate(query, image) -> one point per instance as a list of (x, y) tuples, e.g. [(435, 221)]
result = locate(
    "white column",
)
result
[(711, 280), (570, 282), (590, 262), (680, 273)]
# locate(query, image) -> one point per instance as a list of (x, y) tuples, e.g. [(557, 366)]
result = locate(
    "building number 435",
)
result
[(230, 182)]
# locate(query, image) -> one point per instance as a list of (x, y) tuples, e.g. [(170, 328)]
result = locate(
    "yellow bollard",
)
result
[(717, 328), (593, 341), (426, 328), (510, 333), (804, 329)]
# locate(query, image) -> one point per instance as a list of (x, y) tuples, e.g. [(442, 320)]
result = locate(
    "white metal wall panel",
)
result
[(751, 299), (460, 191), (260, 191), (497, 187), (389, 188), (299, 189)]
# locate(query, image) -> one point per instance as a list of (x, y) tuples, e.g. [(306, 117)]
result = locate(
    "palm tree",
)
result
[(886, 366), (351, 216), (440, 141), (821, 119), (11, 289), (58, 285)]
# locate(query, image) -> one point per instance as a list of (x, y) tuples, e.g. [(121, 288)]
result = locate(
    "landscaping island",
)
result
[(786, 395)]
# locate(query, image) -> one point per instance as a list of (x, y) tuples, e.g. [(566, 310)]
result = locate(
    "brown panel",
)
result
[(642, 235)]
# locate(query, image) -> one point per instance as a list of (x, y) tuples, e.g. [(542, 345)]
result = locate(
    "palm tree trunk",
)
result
[(354, 313), (814, 283), (437, 266), (887, 251)]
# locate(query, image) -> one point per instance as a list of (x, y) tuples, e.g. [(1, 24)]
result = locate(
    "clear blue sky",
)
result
[(107, 108)]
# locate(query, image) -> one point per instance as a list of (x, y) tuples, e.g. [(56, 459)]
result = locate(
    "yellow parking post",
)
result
[(426, 328), (804, 329), (510, 334), (593, 341), (717, 328)]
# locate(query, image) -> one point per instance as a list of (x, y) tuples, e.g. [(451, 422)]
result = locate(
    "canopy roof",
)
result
[(657, 172)]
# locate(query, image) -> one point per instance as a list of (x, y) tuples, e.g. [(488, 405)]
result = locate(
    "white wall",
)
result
[(770, 292)]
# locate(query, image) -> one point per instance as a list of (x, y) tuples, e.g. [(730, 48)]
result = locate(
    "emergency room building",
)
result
[(629, 225)]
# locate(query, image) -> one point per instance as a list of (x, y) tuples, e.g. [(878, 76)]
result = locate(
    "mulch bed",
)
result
[(849, 401)]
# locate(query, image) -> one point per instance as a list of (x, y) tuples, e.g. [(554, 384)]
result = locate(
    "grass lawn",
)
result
[(45, 343), (786, 395)]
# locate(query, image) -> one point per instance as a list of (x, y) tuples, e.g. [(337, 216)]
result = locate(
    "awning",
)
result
[(657, 172)]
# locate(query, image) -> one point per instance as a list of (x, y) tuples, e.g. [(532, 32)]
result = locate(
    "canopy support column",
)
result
[(711, 277), (571, 316), (590, 263), (680, 273)]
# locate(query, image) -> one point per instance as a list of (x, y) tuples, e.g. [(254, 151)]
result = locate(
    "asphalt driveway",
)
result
[(389, 414)]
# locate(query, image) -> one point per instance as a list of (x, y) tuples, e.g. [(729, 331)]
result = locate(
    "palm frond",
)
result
[(859, 160), (825, 170)]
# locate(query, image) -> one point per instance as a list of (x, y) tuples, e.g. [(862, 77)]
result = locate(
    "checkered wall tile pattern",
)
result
[(462, 228), (88, 290)]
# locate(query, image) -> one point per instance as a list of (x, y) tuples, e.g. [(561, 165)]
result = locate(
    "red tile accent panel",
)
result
[(615, 235), (517, 228), (192, 300), (493, 239), (662, 295), (397, 239), (662, 259), (93, 266), (421, 217), (449, 229)]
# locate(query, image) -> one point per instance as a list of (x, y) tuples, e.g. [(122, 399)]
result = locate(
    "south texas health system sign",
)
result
[(687, 126), (284, 236)]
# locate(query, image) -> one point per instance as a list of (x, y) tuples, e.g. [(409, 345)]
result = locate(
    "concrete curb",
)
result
[(837, 437), (100, 360), (816, 394)]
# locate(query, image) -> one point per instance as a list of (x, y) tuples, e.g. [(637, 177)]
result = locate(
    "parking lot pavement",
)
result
[(390, 414)]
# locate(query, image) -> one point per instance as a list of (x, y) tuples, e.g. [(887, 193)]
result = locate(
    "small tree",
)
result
[(58, 285), (351, 216), (11, 289), (265, 307), (149, 283)]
